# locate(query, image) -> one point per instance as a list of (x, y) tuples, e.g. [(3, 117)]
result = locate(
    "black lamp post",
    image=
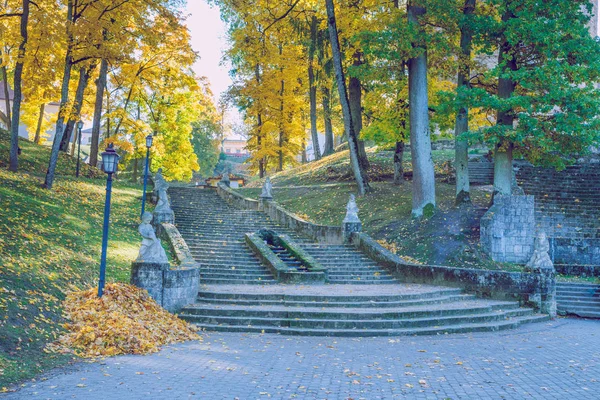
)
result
[(110, 161), (80, 127), (148, 145)]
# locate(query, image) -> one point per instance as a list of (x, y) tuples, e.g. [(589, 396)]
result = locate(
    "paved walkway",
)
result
[(555, 360)]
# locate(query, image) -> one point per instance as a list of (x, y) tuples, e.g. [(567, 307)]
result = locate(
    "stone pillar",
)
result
[(149, 276), (508, 229), (351, 222)]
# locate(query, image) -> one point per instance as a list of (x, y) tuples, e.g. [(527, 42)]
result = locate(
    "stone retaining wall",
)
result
[(508, 229), (171, 287), (533, 289), (319, 233)]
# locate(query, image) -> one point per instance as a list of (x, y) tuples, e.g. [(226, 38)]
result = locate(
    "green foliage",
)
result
[(206, 145), (555, 102)]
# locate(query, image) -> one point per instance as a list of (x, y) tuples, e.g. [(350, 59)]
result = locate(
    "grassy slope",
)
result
[(50, 244), (451, 237)]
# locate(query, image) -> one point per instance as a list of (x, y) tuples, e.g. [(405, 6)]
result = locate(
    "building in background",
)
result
[(235, 147)]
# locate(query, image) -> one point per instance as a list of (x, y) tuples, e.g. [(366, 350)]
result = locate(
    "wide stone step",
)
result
[(336, 304), (436, 330), (328, 324), (234, 275), (362, 281), (329, 293), (435, 311), (222, 281)]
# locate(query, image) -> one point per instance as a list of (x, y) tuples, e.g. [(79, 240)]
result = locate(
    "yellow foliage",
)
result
[(126, 320)]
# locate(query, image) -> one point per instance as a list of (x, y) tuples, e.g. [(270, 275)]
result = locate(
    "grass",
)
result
[(50, 244), (319, 192), (336, 168)]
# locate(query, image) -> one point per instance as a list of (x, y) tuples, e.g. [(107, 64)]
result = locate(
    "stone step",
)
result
[(234, 275), (362, 281), (436, 330), (570, 285), (445, 309), (337, 304), (578, 305), (584, 313), (326, 293), (223, 281), (581, 298), (328, 324)]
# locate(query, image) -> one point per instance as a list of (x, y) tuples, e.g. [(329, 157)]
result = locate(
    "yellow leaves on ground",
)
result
[(126, 320)]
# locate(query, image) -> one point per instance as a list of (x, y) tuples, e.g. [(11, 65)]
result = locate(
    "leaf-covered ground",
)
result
[(50, 245), (125, 320)]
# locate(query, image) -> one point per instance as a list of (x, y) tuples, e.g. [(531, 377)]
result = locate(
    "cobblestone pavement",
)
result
[(555, 360)]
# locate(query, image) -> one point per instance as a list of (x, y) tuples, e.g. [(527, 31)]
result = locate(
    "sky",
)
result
[(209, 40)]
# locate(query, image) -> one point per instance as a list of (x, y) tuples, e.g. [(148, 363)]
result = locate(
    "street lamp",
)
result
[(80, 127), (110, 161), (148, 145)]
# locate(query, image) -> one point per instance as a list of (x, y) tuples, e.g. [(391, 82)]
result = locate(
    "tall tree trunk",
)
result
[(16, 111), (6, 96), (359, 173), (107, 133), (64, 99), (38, 128), (314, 24), (423, 193), (461, 160), (135, 171), (259, 124), (75, 138), (281, 116), (100, 85), (503, 170), (327, 121), (355, 98), (84, 77), (398, 168), (304, 155)]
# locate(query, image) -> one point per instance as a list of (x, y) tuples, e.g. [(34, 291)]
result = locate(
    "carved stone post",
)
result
[(351, 222), (225, 179), (163, 211), (266, 195), (542, 266)]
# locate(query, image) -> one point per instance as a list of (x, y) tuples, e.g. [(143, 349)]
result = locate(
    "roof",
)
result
[(11, 93)]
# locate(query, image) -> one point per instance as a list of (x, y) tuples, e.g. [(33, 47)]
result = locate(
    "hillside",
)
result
[(49, 245), (319, 192)]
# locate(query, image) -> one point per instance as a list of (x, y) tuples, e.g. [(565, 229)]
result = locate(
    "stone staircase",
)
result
[(582, 300), (336, 310), (214, 232), (238, 294)]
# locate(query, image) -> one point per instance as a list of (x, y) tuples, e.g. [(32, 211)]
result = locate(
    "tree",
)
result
[(544, 99), (16, 111), (359, 173), (461, 162), (423, 188)]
